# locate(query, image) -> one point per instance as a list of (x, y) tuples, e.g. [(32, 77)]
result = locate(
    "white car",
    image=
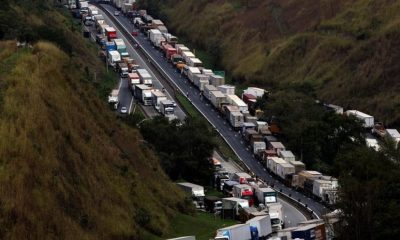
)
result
[(124, 110), (116, 13)]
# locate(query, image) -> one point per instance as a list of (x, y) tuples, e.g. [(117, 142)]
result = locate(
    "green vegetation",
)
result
[(347, 51), (68, 168), (183, 148)]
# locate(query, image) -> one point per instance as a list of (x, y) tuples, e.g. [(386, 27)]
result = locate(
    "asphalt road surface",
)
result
[(232, 137)]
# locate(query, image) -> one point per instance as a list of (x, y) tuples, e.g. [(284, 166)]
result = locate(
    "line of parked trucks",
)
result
[(236, 110), (114, 52)]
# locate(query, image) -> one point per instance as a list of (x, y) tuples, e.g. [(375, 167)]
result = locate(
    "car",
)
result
[(116, 13), (134, 33), (174, 103), (124, 110)]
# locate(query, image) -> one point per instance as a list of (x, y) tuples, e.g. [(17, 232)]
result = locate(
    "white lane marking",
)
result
[(120, 84), (130, 106)]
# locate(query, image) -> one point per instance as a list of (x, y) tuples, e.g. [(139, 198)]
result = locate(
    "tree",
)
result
[(183, 148), (369, 194)]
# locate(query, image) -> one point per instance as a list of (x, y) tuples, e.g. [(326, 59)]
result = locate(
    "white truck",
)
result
[(194, 62), (145, 77), (231, 207), (154, 35), (113, 98), (260, 227), (113, 58), (265, 195), (191, 72), (158, 96), (200, 80), (236, 119), (195, 191), (235, 232), (367, 120), (276, 214), (187, 55)]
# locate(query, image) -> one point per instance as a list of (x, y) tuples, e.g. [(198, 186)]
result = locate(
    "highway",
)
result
[(232, 137)]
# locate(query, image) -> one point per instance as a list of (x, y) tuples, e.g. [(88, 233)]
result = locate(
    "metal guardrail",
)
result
[(299, 205)]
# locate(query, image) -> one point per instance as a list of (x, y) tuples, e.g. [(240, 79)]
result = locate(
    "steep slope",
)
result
[(346, 50), (68, 168)]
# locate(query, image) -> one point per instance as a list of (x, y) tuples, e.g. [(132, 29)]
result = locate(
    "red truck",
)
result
[(244, 191), (168, 50), (111, 33)]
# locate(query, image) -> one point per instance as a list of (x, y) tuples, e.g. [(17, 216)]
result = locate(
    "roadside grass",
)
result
[(222, 147), (198, 225), (211, 191)]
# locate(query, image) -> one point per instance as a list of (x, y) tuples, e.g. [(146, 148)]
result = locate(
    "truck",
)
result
[(154, 35), (190, 72), (113, 98), (194, 62), (167, 108), (236, 101), (217, 80), (200, 80), (186, 55), (121, 47), (212, 204), (265, 195), (171, 39), (145, 77), (276, 215), (84, 5), (207, 91), (110, 33), (143, 94), (92, 9), (217, 98), (123, 69), (235, 232), (177, 61), (113, 58), (227, 188), (236, 119), (260, 227), (244, 191), (367, 120), (133, 80), (231, 207), (227, 89), (195, 191), (241, 177), (168, 51), (158, 96), (310, 232)]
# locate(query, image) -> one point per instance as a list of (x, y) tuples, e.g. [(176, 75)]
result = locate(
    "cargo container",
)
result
[(133, 80), (243, 191), (207, 72), (272, 163), (158, 96), (228, 109), (319, 185), (304, 175), (145, 77), (310, 232), (236, 120), (236, 101), (200, 80), (113, 58), (92, 9), (194, 62), (157, 22), (258, 147), (143, 94), (367, 120), (154, 35), (171, 39), (120, 44), (227, 188), (110, 46), (227, 89), (235, 232), (207, 91), (298, 166), (277, 146), (283, 169), (168, 51), (212, 204), (191, 72), (260, 227), (217, 98), (217, 80), (249, 98), (265, 195), (181, 48), (393, 134), (287, 155), (187, 55), (257, 92), (126, 7), (162, 29), (195, 191), (241, 177), (110, 33), (231, 207)]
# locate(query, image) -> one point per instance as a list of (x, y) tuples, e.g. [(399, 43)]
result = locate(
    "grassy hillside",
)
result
[(68, 168), (346, 50)]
